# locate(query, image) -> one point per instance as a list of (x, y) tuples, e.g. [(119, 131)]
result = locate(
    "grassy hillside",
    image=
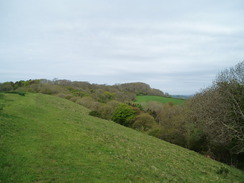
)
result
[(48, 139), (163, 100)]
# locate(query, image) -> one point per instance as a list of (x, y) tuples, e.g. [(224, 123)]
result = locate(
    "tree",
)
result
[(218, 112), (172, 122), (7, 86), (230, 85)]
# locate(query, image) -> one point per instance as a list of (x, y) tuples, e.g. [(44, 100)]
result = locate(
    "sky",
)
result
[(176, 46)]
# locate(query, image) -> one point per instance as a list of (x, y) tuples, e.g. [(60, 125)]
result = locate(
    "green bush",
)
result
[(124, 115), (195, 138), (95, 114), (17, 92)]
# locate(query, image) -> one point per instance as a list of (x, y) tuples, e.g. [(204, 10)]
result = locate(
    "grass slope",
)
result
[(48, 139), (140, 99)]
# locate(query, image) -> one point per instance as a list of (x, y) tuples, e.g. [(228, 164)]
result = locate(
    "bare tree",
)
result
[(219, 109)]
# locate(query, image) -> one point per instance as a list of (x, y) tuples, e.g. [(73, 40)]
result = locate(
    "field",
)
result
[(140, 99), (47, 139)]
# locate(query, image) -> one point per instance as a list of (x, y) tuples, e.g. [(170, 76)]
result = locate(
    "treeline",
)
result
[(69, 89), (211, 122), (106, 102)]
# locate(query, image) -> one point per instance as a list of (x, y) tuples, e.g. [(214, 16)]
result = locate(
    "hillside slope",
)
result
[(47, 139)]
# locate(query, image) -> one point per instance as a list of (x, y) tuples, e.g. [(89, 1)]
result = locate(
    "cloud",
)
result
[(176, 46)]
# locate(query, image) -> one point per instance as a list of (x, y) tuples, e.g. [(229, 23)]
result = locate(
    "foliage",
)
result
[(7, 86), (219, 112), (105, 110), (103, 96), (16, 92), (195, 138), (144, 122), (124, 115), (108, 109), (101, 93), (76, 92), (139, 89), (171, 120), (95, 113)]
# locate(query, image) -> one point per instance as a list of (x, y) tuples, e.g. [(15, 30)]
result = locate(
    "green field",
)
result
[(45, 139), (140, 99)]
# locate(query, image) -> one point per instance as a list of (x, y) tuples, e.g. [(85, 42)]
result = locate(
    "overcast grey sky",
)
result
[(173, 45)]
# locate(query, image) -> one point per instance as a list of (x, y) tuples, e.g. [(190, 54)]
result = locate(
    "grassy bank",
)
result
[(47, 139)]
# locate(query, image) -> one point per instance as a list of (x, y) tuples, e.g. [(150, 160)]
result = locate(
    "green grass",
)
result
[(47, 139), (141, 99)]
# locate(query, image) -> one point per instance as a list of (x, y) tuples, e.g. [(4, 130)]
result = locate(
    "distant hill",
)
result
[(67, 89), (44, 139), (182, 96), (140, 99)]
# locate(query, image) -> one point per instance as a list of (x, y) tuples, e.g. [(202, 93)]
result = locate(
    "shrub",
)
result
[(107, 110), (156, 132), (17, 92), (124, 115), (95, 114), (195, 138), (144, 122), (66, 96), (88, 102), (74, 99)]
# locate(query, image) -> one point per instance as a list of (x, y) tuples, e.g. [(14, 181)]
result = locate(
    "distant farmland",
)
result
[(164, 100)]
